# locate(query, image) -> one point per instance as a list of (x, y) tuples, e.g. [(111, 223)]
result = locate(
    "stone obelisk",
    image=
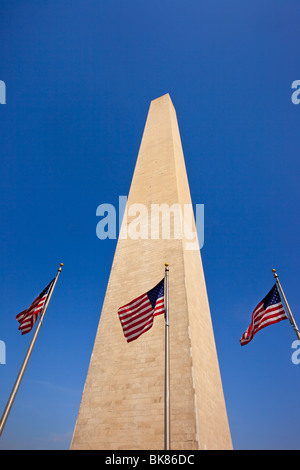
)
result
[(122, 406)]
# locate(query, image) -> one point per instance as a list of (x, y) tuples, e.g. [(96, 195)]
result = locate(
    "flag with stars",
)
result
[(28, 317), (270, 310), (137, 316)]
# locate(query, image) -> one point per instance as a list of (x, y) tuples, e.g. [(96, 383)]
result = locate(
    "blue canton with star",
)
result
[(272, 297), (156, 293)]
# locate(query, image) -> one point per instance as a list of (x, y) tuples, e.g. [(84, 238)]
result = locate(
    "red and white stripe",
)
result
[(137, 316), (28, 317), (263, 317)]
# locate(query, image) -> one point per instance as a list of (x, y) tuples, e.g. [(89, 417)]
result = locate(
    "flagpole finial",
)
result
[(166, 266), (61, 264), (274, 272)]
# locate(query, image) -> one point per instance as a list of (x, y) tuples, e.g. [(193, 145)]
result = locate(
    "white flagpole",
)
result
[(29, 351), (167, 362), (287, 307)]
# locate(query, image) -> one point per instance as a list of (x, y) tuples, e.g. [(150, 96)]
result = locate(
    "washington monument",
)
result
[(122, 405)]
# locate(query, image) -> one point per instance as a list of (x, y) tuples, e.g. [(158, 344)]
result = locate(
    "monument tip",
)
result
[(165, 96)]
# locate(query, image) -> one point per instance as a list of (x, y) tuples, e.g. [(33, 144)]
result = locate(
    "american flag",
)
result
[(270, 310), (28, 317), (138, 315)]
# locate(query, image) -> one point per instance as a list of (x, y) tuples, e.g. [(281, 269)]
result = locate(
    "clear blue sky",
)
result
[(79, 77)]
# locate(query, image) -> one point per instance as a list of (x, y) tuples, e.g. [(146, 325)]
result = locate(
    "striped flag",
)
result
[(28, 317), (270, 310), (138, 315)]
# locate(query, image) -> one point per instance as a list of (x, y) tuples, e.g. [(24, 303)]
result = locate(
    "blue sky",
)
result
[(79, 78)]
